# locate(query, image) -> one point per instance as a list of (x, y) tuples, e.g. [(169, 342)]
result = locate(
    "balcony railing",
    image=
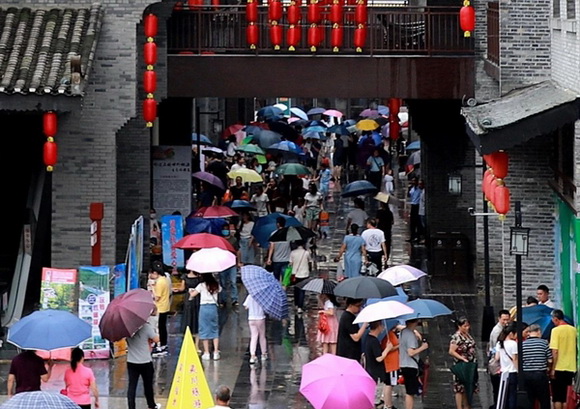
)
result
[(390, 31), (493, 32)]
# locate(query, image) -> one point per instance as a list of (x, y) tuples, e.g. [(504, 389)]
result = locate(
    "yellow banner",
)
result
[(189, 388)]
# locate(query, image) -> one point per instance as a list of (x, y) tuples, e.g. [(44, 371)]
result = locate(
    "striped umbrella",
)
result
[(266, 290)]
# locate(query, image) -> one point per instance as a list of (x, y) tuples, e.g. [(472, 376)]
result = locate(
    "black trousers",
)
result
[(146, 371), (537, 386), (163, 328), (495, 381), (377, 258), (415, 223)]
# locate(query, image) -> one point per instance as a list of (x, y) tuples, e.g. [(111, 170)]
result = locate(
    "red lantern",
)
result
[(195, 3), (151, 25), (149, 111), (252, 35), (500, 164), (394, 107), (150, 53), (490, 190), (361, 12), (149, 81), (488, 160), (252, 12), (394, 129), (314, 16), (49, 123), (215, 4), (50, 154), (467, 18), (313, 37), (293, 37), (275, 10), (336, 12), (502, 199), (360, 37), (294, 14), (336, 37), (485, 182), (276, 35)]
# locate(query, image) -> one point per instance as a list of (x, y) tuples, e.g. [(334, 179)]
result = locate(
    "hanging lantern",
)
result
[(151, 25), (490, 190), (336, 37), (215, 4), (336, 12), (361, 12), (502, 199), (50, 153), (293, 37), (488, 160), (149, 111), (195, 3), (275, 10), (150, 54), (294, 14), (500, 164), (252, 11), (149, 81), (485, 181), (252, 34), (276, 35), (360, 37), (314, 12), (49, 123), (313, 37), (467, 18)]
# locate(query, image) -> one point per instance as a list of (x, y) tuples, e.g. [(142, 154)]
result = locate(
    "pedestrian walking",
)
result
[(299, 210), (375, 354), (375, 244), (493, 365), (278, 252), (190, 315), (229, 276), (222, 395), (140, 364), (385, 220), (375, 168), (300, 260), (27, 371), (323, 178), (409, 356), (247, 246), (329, 338), (354, 250), (392, 365), (350, 334), (80, 381), (257, 325), (536, 363), (462, 348), (260, 200), (357, 215), (208, 291), (161, 292), (563, 346), (507, 353), (414, 195), (422, 212), (313, 200)]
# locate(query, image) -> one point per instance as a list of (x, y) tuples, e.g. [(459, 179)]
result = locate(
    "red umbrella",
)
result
[(232, 129), (126, 314), (215, 212), (203, 241)]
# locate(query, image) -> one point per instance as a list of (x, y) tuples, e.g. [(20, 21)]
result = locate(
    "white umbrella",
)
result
[(211, 260), (383, 310), (404, 273), (297, 112)]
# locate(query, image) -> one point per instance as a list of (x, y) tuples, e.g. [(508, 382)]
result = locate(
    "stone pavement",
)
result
[(275, 384)]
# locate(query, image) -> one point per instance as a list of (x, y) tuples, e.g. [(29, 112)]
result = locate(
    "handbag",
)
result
[(323, 323), (287, 277), (493, 365)]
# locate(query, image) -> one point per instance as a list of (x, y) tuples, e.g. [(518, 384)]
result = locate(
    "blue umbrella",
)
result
[(425, 308), (48, 330), (401, 297), (266, 291), (314, 135), (240, 205), (314, 128), (340, 129), (266, 225), (200, 225), (39, 399), (358, 187), (268, 138), (383, 110), (413, 146), (252, 130), (541, 315), (203, 140), (299, 113), (285, 147), (270, 112), (315, 111)]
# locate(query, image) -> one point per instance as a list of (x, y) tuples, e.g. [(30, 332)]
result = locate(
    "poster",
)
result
[(171, 232), (94, 296), (172, 179), (134, 259), (119, 279)]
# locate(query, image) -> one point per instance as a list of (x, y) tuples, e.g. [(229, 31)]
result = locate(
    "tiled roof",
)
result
[(38, 45)]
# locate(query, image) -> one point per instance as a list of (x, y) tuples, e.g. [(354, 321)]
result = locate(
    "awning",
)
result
[(520, 115)]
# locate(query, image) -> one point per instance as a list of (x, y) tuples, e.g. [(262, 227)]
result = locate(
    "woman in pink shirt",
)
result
[(80, 381)]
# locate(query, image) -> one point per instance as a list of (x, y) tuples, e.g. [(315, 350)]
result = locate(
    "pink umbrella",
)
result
[(331, 382), (215, 212), (370, 113), (211, 260), (333, 112)]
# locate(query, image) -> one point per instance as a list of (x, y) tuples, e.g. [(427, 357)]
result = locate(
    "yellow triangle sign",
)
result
[(189, 388)]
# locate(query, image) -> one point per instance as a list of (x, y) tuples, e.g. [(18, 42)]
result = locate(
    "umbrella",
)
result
[(383, 110), (369, 113), (240, 205), (315, 111), (48, 330), (203, 140), (266, 225), (415, 145), (39, 399), (357, 188), (333, 112), (204, 240), (266, 291), (270, 112), (292, 169), (212, 150), (414, 158), (268, 138), (251, 148), (466, 373), (382, 310), (285, 147), (332, 382), (314, 128), (401, 297), (233, 129), (209, 178), (211, 260), (340, 129), (365, 287), (292, 233), (287, 131), (314, 135), (247, 175), (424, 308), (126, 314), (317, 285), (299, 113), (367, 125), (404, 273), (214, 212), (542, 315)]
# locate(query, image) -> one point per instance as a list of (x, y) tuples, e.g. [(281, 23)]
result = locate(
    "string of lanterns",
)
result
[(151, 25), (493, 185), (50, 150)]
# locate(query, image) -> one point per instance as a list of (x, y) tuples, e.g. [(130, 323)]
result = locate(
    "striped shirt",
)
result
[(535, 353)]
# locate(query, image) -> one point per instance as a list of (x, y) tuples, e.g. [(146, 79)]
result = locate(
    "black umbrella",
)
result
[(292, 233), (357, 188), (287, 131), (365, 287), (209, 178)]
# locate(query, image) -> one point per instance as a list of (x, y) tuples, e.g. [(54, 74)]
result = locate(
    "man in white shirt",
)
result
[(357, 216), (260, 200), (223, 396), (300, 261), (375, 244), (543, 295)]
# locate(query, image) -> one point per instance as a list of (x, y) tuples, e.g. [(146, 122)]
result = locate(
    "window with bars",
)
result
[(571, 9), (556, 8)]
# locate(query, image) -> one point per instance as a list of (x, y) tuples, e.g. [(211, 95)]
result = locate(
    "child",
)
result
[(324, 223), (328, 339), (298, 211), (324, 178)]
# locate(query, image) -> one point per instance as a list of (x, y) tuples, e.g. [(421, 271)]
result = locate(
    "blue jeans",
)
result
[(228, 281), (278, 268)]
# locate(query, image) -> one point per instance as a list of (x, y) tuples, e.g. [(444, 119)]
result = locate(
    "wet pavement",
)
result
[(275, 383)]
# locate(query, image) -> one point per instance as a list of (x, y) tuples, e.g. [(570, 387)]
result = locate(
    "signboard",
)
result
[(171, 232), (94, 296), (172, 179), (119, 287), (134, 259)]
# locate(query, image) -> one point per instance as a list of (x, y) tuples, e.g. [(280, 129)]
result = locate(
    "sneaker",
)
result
[(158, 406), (253, 360), (216, 356), (159, 354), (299, 310), (264, 357), (235, 304), (205, 357), (165, 348)]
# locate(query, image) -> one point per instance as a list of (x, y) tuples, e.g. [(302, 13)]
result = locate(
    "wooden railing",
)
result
[(391, 31), (493, 32)]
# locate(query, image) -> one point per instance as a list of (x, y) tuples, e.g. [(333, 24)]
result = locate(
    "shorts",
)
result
[(560, 383), (312, 213), (411, 377)]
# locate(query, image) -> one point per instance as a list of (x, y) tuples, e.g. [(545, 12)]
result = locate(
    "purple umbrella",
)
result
[(370, 113), (209, 178)]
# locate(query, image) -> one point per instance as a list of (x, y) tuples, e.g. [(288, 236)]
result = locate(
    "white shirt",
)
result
[(231, 151), (506, 355), (255, 310), (299, 259), (246, 230), (388, 182), (312, 200), (373, 239), (548, 303), (359, 217), (422, 203), (205, 297), (261, 202)]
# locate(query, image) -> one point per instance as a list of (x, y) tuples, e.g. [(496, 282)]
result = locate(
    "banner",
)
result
[(171, 232), (134, 260), (94, 296), (119, 279), (171, 179)]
